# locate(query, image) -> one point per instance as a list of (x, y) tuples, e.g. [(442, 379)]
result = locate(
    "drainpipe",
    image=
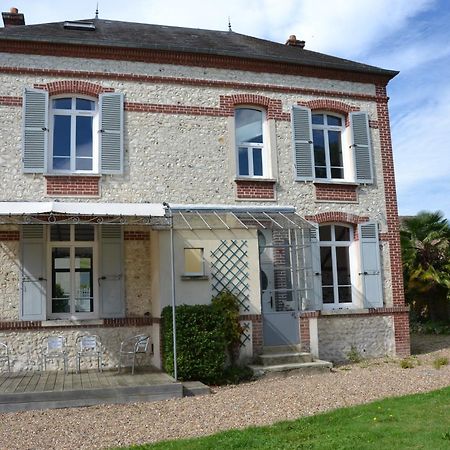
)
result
[(172, 273)]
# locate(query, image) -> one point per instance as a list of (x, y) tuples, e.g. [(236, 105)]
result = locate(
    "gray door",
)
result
[(279, 295)]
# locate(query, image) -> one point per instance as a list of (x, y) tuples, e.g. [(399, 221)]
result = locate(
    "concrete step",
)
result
[(195, 388), (274, 359), (293, 348), (289, 369)]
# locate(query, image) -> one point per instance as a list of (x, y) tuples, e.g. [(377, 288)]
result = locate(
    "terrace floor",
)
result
[(55, 389)]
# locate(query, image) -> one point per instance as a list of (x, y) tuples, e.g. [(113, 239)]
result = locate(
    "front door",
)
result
[(279, 299)]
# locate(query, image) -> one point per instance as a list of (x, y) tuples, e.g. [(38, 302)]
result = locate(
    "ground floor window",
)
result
[(72, 270)]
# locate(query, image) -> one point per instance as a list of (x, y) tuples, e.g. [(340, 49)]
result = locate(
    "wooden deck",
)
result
[(54, 389)]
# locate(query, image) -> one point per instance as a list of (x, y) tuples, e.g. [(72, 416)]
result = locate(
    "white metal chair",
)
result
[(54, 347), (132, 347), (4, 354), (89, 346)]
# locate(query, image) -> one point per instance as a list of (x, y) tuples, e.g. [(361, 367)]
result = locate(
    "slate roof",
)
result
[(111, 33)]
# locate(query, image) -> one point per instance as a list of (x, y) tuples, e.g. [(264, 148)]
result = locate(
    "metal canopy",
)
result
[(228, 217)]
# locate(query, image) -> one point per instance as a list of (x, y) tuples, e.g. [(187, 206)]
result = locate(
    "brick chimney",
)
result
[(13, 18), (292, 40)]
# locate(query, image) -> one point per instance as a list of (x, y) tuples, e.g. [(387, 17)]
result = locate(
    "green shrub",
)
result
[(439, 362), (353, 355), (208, 338), (407, 363)]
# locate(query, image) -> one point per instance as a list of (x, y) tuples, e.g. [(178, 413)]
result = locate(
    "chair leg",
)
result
[(134, 361)]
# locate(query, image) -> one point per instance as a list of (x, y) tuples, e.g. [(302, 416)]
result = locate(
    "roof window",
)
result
[(74, 25)]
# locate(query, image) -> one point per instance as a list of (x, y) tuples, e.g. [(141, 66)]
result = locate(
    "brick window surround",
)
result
[(73, 185), (255, 190), (335, 192), (73, 87)]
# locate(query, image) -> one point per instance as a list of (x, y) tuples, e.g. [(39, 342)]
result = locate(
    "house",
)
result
[(143, 165)]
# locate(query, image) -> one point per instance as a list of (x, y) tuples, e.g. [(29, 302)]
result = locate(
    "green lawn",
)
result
[(412, 422)]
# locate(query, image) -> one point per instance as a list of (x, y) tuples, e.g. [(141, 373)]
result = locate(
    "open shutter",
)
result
[(35, 130), (111, 279), (370, 265), (316, 267), (33, 287), (362, 152), (302, 143), (111, 133)]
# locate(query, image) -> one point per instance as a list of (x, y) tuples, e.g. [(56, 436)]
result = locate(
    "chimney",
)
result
[(292, 40), (13, 18)]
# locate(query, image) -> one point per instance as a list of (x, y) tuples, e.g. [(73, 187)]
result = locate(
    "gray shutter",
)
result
[(302, 143), (35, 130), (33, 287), (111, 279), (111, 133), (316, 267), (362, 153), (370, 265)]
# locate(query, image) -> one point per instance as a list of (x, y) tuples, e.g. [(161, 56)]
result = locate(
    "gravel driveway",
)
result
[(257, 403)]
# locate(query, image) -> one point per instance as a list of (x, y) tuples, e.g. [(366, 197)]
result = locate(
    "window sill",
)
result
[(72, 174), (194, 277), (343, 311), (256, 179), (70, 322), (345, 183)]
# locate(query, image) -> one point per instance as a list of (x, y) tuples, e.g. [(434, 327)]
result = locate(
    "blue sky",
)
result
[(412, 36)]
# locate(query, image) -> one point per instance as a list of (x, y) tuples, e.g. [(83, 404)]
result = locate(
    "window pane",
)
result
[(343, 265), (334, 139), (342, 233), (249, 125), (85, 105), (321, 172), (83, 258), (60, 280), (243, 161), (257, 162), (328, 295), (193, 261), (334, 121), (60, 233), (325, 232), (317, 119), (62, 103), (61, 136), (319, 148), (84, 232), (84, 136), (345, 294), (337, 172), (84, 300), (326, 266)]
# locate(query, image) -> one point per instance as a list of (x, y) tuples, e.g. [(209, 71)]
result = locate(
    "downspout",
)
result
[(172, 273)]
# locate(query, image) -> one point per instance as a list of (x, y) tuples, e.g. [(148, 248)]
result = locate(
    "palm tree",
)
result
[(425, 242)]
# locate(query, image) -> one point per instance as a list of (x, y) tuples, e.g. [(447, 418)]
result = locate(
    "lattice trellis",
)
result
[(246, 335), (229, 270)]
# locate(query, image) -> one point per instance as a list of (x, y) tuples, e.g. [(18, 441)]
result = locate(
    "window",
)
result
[(327, 140), (327, 151), (334, 243), (73, 292), (250, 146), (73, 135), (193, 262)]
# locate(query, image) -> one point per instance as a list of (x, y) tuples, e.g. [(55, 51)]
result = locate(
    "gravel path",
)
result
[(258, 403)]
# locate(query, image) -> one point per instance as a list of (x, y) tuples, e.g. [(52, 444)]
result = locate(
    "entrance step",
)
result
[(287, 358)]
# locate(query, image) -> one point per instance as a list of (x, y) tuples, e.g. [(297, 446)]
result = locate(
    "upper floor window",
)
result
[(73, 137), (250, 146), (325, 149), (327, 140)]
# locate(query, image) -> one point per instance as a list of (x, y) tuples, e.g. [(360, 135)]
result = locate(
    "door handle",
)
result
[(271, 302)]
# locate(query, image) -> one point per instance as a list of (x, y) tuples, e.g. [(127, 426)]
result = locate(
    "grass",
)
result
[(420, 421)]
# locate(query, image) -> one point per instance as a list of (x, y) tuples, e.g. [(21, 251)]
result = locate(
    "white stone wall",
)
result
[(26, 346), (370, 336)]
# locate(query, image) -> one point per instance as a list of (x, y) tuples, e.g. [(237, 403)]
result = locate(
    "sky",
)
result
[(412, 36)]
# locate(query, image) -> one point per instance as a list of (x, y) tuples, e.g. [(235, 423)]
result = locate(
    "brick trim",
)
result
[(184, 81), (385, 311), (10, 235), (6, 100), (336, 192), (186, 59), (337, 216), (330, 105), (136, 236), (73, 185), (255, 190), (401, 335), (107, 323), (73, 87), (272, 106)]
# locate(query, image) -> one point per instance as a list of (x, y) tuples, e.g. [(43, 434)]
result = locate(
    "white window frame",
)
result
[(351, 256), (251, 145), (73, 114), (72, 244), (346, 163)]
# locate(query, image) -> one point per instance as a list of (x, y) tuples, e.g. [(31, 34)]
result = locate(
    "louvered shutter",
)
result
[(362, 153), (370, 265), (302, 143), (33, 286), (111, 133), (35, 130), (111, 280), (316, 268)]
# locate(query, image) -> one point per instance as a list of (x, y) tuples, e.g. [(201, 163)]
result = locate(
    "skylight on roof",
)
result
[(74, 25)]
